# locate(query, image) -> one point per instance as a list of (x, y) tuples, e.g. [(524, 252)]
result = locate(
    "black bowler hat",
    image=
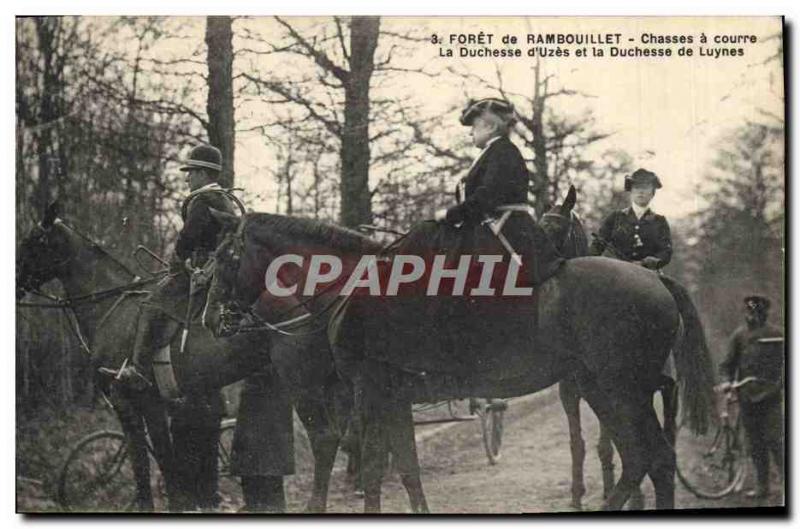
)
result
[(642, 176), (501, 107), (203, 156), (757, 303)]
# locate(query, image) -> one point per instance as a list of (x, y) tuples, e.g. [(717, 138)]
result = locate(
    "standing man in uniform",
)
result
[(636, 233), (756, 350)]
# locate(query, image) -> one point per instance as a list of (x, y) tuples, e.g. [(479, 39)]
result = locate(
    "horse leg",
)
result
[(403, 448), (374, 449), (669, 398), (570, 401), (621, 412), (605, 452), (324, 437), (158, 429), (353, 440), (374, 458), (662, 466), (183, 464), (133, 427)]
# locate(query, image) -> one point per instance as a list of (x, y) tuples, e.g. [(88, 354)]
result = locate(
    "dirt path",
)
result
[(532, 476)]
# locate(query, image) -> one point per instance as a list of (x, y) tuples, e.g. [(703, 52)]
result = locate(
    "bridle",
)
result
[(233, 310), (68, 304), (570, 234), (36, 276)]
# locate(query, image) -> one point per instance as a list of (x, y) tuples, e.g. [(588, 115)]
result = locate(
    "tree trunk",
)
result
[(356, 207), (540, 178), (221, 131), (46, 28)]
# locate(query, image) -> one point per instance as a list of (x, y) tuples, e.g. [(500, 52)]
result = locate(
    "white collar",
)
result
[(639, 211)]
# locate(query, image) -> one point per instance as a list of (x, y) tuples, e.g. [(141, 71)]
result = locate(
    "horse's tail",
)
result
[(695, 373)]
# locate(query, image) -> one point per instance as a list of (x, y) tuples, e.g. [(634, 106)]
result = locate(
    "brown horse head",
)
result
[(565, 229), (43, 254), (244, 253)]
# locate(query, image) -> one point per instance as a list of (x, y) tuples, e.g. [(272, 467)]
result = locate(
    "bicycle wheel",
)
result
[(711, 466), (227, 430), (97, 475), (492, 430)]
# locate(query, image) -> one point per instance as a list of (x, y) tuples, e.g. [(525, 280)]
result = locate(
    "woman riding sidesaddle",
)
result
[(447, 331), (495, 192)]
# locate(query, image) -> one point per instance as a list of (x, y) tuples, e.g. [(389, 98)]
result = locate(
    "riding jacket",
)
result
[(634, 238), (498, 177), (198, 237)]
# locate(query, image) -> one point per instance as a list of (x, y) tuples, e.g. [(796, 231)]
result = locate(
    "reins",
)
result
[(68, 304), (86, 299), (304, 319)]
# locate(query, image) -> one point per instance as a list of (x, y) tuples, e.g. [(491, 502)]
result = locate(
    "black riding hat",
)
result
[(204, 156), (757, 303), (642, 176), (501, 107)]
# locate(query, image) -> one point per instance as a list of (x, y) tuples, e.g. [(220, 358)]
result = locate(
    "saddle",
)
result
[(453, 336)]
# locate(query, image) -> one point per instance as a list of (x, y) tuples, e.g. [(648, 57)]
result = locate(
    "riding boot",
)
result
[(263, 494), (155, 330)]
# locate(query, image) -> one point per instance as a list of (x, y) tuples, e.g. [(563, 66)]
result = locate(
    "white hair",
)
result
[(502, 122)]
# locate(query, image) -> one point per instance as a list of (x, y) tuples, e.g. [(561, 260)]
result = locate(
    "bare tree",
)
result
[(556, 142), (221, 122)]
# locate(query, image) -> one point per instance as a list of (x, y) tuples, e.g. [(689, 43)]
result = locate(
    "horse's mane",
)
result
[(263, 227), (581, 241)]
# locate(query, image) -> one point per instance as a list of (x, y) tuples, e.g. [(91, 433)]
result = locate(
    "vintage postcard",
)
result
[(400, 264)]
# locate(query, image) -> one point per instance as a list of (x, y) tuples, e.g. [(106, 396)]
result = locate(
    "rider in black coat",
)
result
[(263, 444), (499, 179), (636, 233)]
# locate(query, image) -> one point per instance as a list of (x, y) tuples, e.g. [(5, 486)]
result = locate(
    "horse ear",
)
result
[(569, 202), (228, 221), (51, 214)]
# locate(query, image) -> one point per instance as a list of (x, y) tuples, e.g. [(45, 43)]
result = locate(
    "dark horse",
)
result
[(105, 297), (566, 231), (610, 324)]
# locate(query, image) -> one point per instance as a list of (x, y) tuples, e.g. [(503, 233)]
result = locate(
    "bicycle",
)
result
[(491, 415), (97, 475), (490, 412), (722, 465)]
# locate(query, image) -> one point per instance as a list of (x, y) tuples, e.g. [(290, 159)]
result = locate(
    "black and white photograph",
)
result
[(400, 264)]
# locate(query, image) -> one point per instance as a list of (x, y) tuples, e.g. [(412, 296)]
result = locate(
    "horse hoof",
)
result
[(636, 504)]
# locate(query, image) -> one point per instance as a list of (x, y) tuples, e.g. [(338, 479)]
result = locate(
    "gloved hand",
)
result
[(651, 262)]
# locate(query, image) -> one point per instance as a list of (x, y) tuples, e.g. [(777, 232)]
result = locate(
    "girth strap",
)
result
[(496, 225), (164, 374)]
